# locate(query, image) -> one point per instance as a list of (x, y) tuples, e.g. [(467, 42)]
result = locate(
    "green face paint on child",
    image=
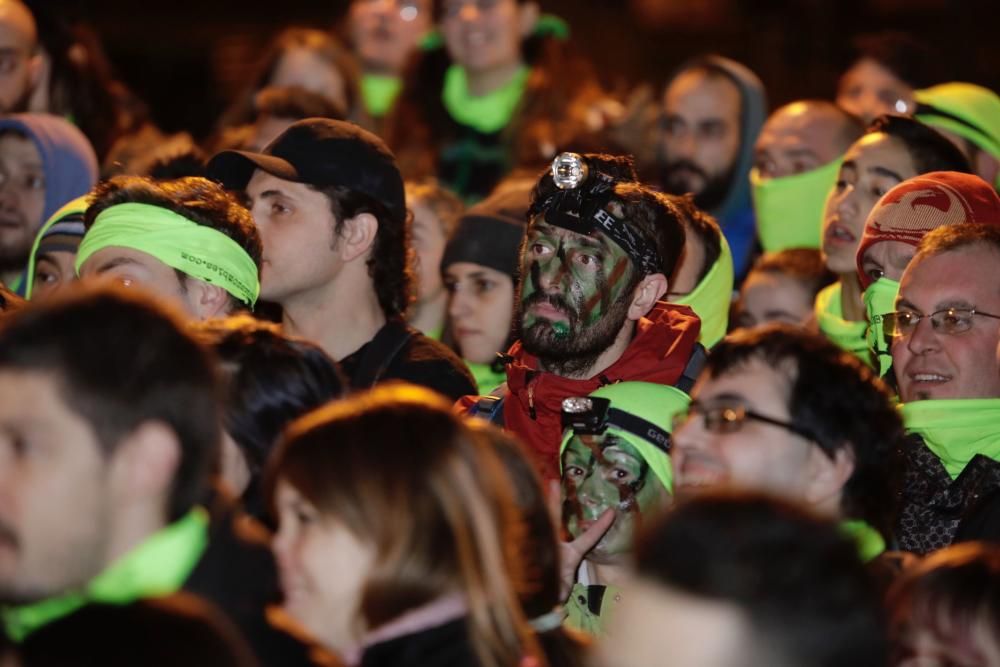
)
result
[(571, 282), (602, 472)]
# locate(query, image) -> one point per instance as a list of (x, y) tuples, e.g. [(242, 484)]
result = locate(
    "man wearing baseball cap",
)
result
[(328, 200)]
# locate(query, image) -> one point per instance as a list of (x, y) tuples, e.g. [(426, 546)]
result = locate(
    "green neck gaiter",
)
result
[(486, 376), (956, 430), (847, 334), (158, 566), (379, 91), (870, 543), (789, 209), (880, 298), (711, 298), (487, 113)]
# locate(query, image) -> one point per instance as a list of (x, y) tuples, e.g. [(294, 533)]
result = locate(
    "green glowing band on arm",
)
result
[(196, 250)]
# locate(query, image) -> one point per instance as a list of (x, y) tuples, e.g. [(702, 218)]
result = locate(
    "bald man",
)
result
[(20, 59), (796, 159)]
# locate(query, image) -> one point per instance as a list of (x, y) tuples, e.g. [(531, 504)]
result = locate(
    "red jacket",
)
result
[(659, 352)]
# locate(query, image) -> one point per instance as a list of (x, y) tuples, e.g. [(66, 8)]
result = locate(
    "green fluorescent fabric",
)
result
[(880, 298), (196, 250), (789, 209), (711, 298), (158, 566), (379, 92), (487, 113), (956, 430), (848, 335)]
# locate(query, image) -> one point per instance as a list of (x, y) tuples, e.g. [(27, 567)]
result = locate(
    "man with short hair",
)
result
[(187, 241), (45, 162), (713, 109), (945, 337), (328, 200), (21, 63), (109, 431), (796, 160), (594, 265), (745, 581), (783, 411)]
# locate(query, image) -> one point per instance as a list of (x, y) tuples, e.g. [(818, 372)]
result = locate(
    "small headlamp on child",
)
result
[(590, 415)]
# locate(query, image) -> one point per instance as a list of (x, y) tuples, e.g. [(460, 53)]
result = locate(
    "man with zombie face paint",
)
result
[(614, 457), (594, 265)]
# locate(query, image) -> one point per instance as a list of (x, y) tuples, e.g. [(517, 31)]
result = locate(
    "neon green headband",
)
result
[(196, 250), (78, 206), (711, 297)]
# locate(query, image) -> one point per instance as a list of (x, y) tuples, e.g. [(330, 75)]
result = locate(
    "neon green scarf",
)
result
[(711, 298), (76, 207), (870, 543), (486, 378), (378, 92), (158, 566), (182, 244), (956, 430), (487, 113), (846, 334), (880, 298), (789, 209)]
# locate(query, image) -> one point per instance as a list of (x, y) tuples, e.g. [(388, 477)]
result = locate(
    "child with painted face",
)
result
[(892, 150), (479, 270), (615, 458), (894, 229)]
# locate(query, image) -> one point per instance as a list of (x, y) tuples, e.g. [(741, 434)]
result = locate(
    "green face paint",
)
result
[(789, 209), (574, 292), (880, 298), (602, 472)]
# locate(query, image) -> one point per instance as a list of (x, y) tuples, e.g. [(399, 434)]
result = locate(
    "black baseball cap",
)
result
[(321, 152)]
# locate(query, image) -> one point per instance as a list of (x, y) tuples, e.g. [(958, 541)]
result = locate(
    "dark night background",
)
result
[(185, 58)]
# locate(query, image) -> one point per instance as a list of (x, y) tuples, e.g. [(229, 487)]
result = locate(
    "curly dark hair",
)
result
[(390, 264), (838, 399), (704, 226), (928, 149)]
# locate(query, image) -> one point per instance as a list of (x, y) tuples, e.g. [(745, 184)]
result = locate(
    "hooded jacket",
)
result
[(664, 342), (735, 213)]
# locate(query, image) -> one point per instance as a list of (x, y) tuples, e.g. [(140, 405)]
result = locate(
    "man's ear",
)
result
[(646, 294), (986, 166), (145, 463), (826, 477), (207, 300), (357, 235)]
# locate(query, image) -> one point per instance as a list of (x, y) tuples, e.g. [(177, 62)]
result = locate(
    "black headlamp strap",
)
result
[(639, 427)]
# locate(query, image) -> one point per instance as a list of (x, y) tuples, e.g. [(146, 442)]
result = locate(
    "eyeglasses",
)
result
[(725, 419), (948, 321)]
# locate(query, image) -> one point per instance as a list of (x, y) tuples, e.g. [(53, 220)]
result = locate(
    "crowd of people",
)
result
[(436, 352)]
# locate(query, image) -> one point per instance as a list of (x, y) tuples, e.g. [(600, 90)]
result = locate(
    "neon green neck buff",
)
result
[(378, 92), (158, 566), (182, 244), (956, 430), (880, 298), (487, 113), (870, 543), (789, 209), (711, 298), (486, 378), (848, 335)]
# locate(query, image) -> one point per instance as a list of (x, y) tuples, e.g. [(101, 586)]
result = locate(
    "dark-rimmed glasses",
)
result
[(946, 321)]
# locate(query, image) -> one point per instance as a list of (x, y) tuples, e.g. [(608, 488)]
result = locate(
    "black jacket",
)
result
[(237, 574), (445, 645), (936, 511)]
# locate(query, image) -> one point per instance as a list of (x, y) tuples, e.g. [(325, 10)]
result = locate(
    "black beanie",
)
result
[(490, 232)]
